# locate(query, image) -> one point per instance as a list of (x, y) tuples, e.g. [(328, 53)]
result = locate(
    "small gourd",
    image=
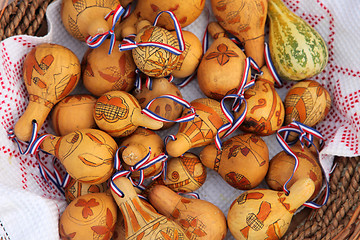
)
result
[(200, 219), (137, 145), (50, 72), (119, 114), (265, 109), (73, 113), (222, 67), (297, 50), (86, 17), (245, 19), (243, 161), (163, 107), (141, 221), (185, 173), (104, 72), (200, 131), (91, 216), (266, 214), (76, 189), (86, 154)]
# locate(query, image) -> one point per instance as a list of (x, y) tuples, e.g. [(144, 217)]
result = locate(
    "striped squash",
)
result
[(297, 50)]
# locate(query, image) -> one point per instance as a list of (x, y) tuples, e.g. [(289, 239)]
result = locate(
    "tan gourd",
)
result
[(222, 67), (186, 11), (201, 130), (190, 58), (297, 50), (185, 173), (142, 222), (91, 216), (266, 214), (242, 163), (265, 109), (163, 107), (104, 72), (86, 17), (199, 219), (151, 60), (282, 166), (73, 113), (137, 146), (245, 19), (76, 189), (50, 72), (119, 114), (86, 154)]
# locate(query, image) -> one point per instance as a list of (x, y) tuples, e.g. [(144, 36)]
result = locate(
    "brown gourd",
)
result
[(76, 189), (199, 219), (245, 19), (50, 72)]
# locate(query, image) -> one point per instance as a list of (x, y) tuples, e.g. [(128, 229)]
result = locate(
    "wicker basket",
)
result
[(338, 219)]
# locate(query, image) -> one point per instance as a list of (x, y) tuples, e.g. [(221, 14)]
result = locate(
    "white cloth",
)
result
[(30, 207)]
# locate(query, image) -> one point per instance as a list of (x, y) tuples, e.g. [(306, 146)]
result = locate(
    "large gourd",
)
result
[(297, 50)]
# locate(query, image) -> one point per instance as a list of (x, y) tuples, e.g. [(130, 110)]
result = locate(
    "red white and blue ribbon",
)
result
[(98, 39), (148, 80), (306, 135), (190, 194), (270, 65), (239, 98), (129, 45), (189, 117)]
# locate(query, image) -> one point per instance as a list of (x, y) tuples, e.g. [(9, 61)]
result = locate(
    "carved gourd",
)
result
[(142, 222), (119, 114), (137, 146), (201, 130), (86, 17), (242, 163), (114, 72), (199, 219), (76, 189), (51, 72), (185, 173), (91, 216), (297, 50), (266, 113), (73, 113), (266, 214), (86, 154), (163, 107), (222, 67), (245, 19)]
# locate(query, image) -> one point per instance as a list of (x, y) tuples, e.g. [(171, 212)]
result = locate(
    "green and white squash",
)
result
[(297, 50)]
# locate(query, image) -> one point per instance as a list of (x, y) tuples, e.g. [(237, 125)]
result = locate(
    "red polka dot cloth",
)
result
[(30, 207)]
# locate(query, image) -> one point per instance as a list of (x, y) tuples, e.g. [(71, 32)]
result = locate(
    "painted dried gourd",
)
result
[(119, 114), (222, 67), (85, 18), (190, 58), (245, 19), (265, 109), (154, 61), (86, 154), (185, 173), (91, 216), (76, 189), (242, 163), (297, 50), (307, 102), (103, 72), (282, 166), (73, 113), (136, 147), (50, 73), (142, 222), (200, 131), (163, 107), (199, 219)]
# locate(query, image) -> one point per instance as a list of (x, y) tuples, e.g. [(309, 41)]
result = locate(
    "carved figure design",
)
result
[(223, 55), (111, 109)]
